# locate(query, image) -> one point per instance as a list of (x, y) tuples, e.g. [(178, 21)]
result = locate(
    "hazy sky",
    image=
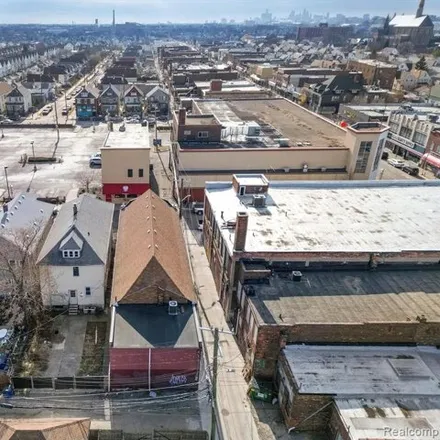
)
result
[(152, 11)]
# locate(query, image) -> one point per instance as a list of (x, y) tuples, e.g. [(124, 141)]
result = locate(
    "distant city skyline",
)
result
[(189, 11)]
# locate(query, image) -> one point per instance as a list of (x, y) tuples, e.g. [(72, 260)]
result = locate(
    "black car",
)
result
[(412, 170)]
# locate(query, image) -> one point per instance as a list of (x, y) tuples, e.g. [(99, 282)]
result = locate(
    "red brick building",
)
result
[(324, 262)]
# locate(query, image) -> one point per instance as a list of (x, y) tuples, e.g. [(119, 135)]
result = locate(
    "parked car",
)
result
[(412, 170), (397, 163), (46, 110), (200, 224), (385, 155), (197, 208), (7, 121), (95, 160), (65, 111)]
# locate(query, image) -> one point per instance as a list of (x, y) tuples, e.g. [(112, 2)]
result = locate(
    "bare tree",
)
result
[(88, 181), (20, 287)]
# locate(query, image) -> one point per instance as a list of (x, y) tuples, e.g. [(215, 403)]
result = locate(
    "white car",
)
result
[(95, 160), (197, 208), (397, 163)]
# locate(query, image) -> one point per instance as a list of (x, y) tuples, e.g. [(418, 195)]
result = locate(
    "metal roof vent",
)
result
[(173, 308)]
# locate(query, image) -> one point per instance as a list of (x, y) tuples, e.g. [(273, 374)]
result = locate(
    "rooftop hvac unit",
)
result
[(173, 308), (296, 275), (253, 129), (259, 201)]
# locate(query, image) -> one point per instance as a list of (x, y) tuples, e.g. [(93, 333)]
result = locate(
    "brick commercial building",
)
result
[(356, 393), (376, 73), (154, 337), (125, 160), (324, 262), (270, 136)]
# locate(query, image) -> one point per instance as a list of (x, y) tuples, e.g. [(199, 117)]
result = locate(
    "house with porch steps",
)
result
[(74, 261)]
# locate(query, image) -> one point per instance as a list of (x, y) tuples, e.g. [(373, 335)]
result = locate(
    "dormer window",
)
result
[(71, 254)]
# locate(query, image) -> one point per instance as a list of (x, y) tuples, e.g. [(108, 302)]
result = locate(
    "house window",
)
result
[(378, 154), (202, 134), (71, 254), (141, 172), (363, 156), (76, 271), (88, 291), (130, 172)]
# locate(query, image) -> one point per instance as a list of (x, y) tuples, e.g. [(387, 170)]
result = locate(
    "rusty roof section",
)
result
[(45, 429), (151, 256)]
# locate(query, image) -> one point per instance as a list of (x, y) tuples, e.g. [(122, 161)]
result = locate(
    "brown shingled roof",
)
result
[(5, 88), (151, 262), (44, 429)]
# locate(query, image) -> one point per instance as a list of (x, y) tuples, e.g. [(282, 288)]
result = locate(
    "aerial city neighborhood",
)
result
[(221, 231)]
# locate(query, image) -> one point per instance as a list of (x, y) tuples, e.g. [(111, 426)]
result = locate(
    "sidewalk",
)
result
[(235, 410)]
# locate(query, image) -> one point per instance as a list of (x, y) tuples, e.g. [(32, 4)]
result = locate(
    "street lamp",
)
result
[(7, 183), (33, 151)]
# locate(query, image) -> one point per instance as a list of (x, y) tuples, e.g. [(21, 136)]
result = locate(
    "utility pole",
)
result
[(214, 386), (56, 124), (67, 108), (7, 183), (179, 197)]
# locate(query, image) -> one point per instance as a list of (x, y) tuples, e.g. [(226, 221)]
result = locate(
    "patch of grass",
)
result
[(92, 360)]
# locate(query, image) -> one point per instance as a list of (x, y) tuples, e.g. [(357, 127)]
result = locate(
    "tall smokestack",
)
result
[(114, 18), (420, 8)]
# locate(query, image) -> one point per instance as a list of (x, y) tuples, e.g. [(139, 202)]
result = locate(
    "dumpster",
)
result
[(260, 390)]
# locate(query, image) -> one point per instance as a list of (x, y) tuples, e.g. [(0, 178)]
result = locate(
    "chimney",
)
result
[(182, 116), (420, 8), (216, 85), (75, 210), (241, 227)]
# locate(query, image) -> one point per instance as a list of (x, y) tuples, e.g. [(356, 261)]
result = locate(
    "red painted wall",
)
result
[(110, 189), (169, 367)]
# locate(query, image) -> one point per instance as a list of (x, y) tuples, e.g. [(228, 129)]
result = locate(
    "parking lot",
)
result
[(73, 152)]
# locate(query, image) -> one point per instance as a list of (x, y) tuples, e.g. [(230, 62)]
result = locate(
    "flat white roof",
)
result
[(134, 136), (365, 371), (251, 179), (355, 216), (396, 419)]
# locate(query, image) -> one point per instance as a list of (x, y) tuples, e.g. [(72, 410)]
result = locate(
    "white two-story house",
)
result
[(18, 101), (75, 258)]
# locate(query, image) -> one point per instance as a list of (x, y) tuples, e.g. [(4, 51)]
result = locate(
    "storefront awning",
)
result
[(432, 160)]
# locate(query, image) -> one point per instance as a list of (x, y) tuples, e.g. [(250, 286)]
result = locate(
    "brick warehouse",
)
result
[(324, 262), (332, 388)]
